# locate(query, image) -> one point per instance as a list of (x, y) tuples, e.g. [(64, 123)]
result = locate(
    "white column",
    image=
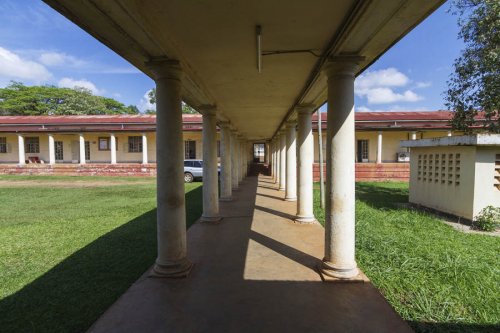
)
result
[(225, 165), (81, 139), (273, 150), (413, 136), (112, 147), (52, 150), (282, 160), (379, 147), (144, 149), (171, 211), (339, 258), (240, 160), (291, 162), (210, 178), (20, 143), (278, 159), (234, 162), (305, 148)]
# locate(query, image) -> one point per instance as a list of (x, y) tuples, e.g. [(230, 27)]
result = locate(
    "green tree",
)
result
[(152, 99), (475, 84), (18, 99)]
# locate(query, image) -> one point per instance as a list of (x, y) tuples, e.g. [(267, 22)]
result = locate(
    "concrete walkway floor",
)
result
[(254, 272)]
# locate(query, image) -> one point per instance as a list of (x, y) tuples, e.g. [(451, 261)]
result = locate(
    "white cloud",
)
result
[(144, 104), (389, 77), (67, 82), (13, 67), (381, 87), (394, 108), (420, 85), (387, 95), (60, 59)]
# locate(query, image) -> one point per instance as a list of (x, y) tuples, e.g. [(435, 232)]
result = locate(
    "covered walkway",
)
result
[(255, 271)]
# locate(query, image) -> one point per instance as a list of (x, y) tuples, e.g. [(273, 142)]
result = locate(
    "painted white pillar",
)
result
[(225, 165), (274, 162), (291, 162), (234, 162), (210, 178), (339, 258), (278, 159), (52, 150), (449, 133), (112, 147), (379, 147), (413, 136), (305, 149), (282, 160), (144, 148), (20, 149), (81, 140), (171, 211), (275, 149), (240, 160)]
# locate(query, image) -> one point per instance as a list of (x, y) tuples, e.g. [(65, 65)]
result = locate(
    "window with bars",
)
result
[(135, 144), (32, 145), (3, 145), (189, 149)]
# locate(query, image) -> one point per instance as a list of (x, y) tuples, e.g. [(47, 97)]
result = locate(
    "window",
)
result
[(135, 144), (87, 150), (188, 164), (104, 144), (197, 164), (362, 153), (32, 145), (3, 145), (189, 149)]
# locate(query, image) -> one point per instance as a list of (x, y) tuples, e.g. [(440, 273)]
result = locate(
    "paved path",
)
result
[(254, 272)]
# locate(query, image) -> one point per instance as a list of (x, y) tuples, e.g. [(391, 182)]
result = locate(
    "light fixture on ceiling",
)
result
[(258, 32)]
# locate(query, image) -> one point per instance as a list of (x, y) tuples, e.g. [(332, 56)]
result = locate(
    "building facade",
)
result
[(46, 141)]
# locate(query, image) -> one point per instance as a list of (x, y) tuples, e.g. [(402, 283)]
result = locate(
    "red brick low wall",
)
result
[(82, 170), (375, 172), (364, 171)]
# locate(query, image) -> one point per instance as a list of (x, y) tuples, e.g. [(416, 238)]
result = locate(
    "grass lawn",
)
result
[(68, 251), (437, 278)]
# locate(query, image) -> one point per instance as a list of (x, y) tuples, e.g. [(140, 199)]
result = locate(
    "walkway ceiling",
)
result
[(215, 40)]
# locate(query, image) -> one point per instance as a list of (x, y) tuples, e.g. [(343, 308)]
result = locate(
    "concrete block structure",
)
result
[(457, 175)]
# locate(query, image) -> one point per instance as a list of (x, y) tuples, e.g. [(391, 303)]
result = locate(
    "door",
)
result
[(362, 151), (58, 147)]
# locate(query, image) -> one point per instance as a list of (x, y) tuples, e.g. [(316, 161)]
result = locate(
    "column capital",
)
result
[(164, 68), (305, 108), (342, 65), (207, 109), (50, 134), (224, 124), (291, 123)]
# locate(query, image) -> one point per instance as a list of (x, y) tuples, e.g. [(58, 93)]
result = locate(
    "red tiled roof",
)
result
[(193, 122)]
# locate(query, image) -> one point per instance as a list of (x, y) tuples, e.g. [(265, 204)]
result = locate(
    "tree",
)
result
[(18, 99), (185, 108), (475, 84)]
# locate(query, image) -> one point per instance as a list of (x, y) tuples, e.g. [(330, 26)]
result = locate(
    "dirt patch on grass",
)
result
[(69, 183)]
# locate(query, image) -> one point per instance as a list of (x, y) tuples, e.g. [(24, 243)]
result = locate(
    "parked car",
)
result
[(193, 169)]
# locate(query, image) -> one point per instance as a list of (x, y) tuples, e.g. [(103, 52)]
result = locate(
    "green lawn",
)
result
[(67, 253), (437, 278)]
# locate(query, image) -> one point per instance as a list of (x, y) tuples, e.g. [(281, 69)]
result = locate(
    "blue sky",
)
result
[(39, 46)]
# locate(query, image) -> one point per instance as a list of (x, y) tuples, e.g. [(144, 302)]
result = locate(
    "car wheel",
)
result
[(188, 178)]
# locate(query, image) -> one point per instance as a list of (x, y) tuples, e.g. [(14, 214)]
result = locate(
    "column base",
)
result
[(226, 199), (305, 219), (328, 269), (291, 199), (281, 189), (175, 269), (210, 219)]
